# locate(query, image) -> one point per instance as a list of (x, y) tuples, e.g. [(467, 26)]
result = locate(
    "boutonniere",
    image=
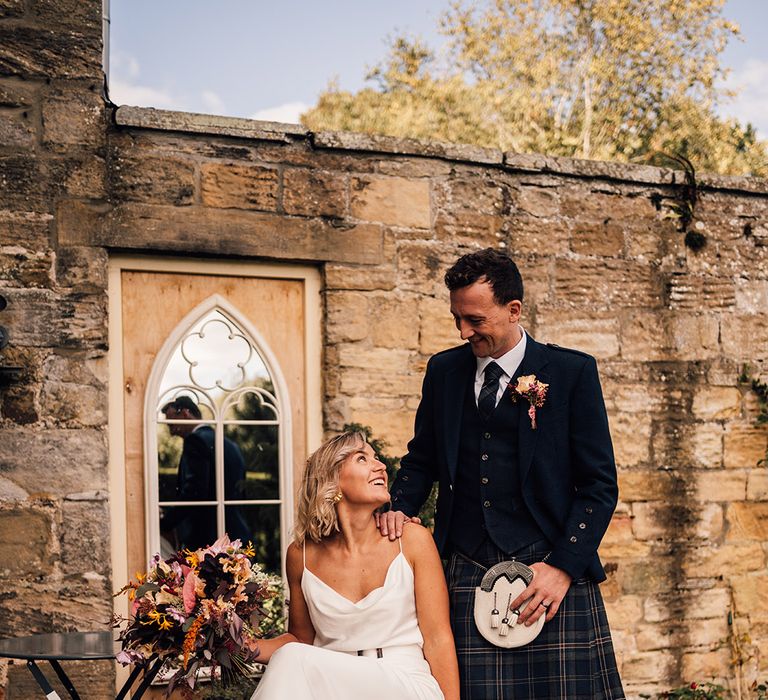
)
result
[(528, 387)]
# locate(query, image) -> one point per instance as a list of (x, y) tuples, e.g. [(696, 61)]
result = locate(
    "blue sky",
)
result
[(270, 60)]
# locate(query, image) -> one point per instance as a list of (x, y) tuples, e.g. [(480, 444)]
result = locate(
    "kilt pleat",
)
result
[(571, 659)]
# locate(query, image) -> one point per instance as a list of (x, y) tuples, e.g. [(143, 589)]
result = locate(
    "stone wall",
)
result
[(606, 271), (54, 523)]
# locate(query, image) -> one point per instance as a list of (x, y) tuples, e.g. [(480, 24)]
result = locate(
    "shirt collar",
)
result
[(509, 361)]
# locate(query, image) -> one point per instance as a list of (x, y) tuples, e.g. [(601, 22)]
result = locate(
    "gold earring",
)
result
[(338, 497)]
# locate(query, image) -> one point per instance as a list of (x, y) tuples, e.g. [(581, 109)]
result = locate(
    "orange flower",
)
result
[(190, 638)]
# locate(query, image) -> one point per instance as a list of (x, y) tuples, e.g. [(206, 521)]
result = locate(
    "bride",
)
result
[(367, 617)]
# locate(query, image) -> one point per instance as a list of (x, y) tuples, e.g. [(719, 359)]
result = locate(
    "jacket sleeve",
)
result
[(593, 475), (418, 468)]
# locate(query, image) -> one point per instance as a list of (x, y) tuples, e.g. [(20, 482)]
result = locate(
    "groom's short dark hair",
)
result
[(495, 266)]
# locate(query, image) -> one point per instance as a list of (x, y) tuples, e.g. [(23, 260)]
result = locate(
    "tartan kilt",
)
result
[(571, 659)]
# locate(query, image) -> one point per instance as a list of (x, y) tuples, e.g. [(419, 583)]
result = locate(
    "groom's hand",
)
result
[(391, 523), (546, 591)]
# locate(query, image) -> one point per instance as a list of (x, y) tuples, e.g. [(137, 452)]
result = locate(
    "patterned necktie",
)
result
[(486, 401)]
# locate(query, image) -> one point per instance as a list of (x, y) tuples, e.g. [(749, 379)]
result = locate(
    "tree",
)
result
[(604, 79)]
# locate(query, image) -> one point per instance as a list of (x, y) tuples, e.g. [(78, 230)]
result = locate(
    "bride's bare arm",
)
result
[(432, 608), (299, 624)]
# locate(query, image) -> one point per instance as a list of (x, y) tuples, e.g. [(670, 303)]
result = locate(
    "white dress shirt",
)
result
[(509, 362)]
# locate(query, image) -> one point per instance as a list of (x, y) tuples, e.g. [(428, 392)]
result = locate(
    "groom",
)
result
[(516, 481)]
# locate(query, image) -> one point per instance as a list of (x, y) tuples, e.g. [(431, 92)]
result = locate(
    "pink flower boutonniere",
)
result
[(532, 389)]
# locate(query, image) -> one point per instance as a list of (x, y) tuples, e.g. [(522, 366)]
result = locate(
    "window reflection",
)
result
[(218, 458)]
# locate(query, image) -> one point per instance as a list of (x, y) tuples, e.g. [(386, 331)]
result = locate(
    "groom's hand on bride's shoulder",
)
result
[(391, 523)]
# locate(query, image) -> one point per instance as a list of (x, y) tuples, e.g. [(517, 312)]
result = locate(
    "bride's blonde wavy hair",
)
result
[(316, 517)]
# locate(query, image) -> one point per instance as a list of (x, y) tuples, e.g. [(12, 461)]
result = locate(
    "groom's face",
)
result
[(491, 328)]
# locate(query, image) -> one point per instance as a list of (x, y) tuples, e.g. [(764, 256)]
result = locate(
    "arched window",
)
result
[(217, 438)]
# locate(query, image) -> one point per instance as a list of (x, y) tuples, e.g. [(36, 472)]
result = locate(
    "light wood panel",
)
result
[(153, 304)]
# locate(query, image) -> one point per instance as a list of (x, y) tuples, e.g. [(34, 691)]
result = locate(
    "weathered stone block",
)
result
[(74, 118), (355, 382), (222, 232), (52, 461), (17, 129), (528, 236), (652, 521), (649, 666), (744, 336), (437, 330), (732, 560), (713, 665), (472, 193), (687, 291), (694, 336), (11, 8), (81, 267), (356, 277), (348, 318), (468, 228), (605, 283), (25, 542), (22, 267), (33, 52), (757, 485), (619, 541), (374, 359), (616, 205), (85, 545), (631, 435), (708, 445), (751, 295), (79, 15), (314, 193), (28, 230), (596, 334), (749, 594), (649, 484), (603, 239), (421, 267), (690, 605), (717, 402), (642, 336), (537, 201), (747, 521), (395, 324), (625, 612), (228, 186), (387, 418), (141, 178), (744, 445), (392, 200), (721, 485)]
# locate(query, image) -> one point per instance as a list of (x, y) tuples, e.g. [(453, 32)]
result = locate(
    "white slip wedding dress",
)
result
[(368, 650)]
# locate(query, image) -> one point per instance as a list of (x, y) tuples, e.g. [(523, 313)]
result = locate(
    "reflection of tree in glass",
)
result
[(168, 456), (259, 446)]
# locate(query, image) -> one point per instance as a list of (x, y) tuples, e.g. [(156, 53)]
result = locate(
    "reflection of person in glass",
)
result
[(195, 526)]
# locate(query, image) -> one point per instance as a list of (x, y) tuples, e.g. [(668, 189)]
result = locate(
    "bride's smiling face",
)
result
[(363, 478)]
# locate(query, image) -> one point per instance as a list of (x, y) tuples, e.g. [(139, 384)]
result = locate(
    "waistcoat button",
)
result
[(484, 480), (484, 457), (487, 504)]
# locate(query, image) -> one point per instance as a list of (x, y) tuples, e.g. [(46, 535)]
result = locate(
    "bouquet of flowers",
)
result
[(201, 608)]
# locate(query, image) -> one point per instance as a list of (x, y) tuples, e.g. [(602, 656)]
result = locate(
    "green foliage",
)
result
[(696, 691), (760, 390), (427, 512), (611, 80)]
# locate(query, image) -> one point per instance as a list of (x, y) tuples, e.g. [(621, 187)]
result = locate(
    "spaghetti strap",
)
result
[(304, 554), (400, 541)]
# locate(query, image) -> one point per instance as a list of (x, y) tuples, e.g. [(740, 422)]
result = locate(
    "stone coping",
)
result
[(166, 120)]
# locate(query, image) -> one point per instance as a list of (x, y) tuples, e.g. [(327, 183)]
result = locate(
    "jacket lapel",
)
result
[(455, 383), (533, 363)]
